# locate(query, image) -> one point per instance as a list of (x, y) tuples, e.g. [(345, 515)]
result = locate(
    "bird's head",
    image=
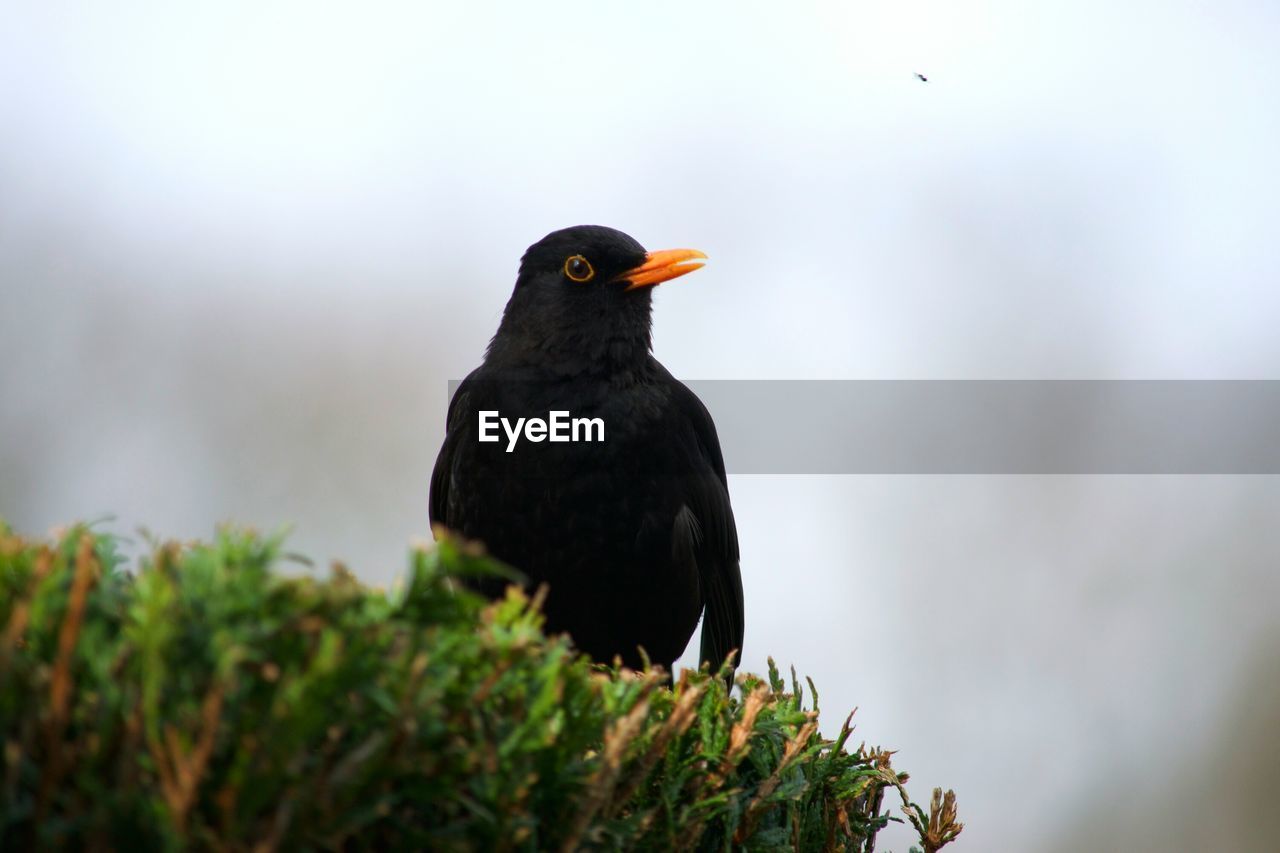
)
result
[(584, 293)]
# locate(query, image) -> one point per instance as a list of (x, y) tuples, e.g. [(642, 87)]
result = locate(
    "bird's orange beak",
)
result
[(661, 266)]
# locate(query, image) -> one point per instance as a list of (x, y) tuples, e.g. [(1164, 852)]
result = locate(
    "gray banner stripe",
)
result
[(995, 426)]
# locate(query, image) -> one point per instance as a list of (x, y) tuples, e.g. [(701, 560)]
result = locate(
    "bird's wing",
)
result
[(442, 474), (714, 538)]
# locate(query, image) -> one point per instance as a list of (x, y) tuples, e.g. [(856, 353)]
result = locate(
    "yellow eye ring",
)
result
[(579, 269)]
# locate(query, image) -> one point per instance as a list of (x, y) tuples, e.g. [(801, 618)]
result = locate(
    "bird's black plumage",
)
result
[(634, 535)]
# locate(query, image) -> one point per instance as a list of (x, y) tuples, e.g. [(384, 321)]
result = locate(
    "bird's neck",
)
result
[(566, 352), (609, 343)]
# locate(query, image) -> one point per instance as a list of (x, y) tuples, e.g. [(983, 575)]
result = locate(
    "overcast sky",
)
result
[(243, 248)]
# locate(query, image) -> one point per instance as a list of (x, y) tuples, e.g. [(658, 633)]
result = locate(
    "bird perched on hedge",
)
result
[(632, 533)]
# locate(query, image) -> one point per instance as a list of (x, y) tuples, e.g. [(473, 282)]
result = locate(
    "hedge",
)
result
[(208, 700)]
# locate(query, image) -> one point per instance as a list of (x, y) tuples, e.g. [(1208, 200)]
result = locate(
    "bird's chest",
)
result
[(563, 466)]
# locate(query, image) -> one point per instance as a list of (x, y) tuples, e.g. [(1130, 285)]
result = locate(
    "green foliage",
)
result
[(208, 702)]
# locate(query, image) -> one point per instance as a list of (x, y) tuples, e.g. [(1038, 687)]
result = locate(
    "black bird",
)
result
[(923, 79), (633, 535)]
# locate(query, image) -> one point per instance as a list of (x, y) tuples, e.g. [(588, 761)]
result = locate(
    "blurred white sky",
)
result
[(1080, 189), (243, 248)]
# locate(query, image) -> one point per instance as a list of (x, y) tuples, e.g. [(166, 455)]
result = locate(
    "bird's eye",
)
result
[(578, 269)]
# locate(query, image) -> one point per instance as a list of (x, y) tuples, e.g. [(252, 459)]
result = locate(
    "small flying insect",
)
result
[(923, 79)]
